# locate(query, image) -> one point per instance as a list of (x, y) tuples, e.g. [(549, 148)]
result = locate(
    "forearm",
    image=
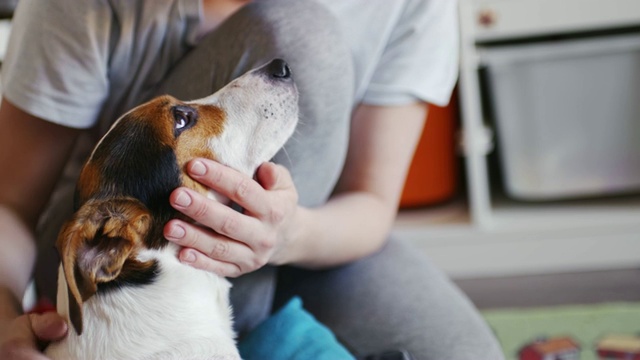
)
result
[(16, 260), (356, 221), (348, 227)]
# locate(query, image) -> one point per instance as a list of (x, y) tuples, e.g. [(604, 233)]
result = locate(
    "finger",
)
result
[(218, 217), (231, 183), (48, 326), (274, 177), (207, 242), (200, 261)]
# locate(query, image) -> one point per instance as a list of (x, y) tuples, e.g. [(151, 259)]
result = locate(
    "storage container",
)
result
[(567, 115)]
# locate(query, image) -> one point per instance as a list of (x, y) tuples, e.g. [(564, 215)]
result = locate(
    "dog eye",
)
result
[(184, 117), (181, 123)]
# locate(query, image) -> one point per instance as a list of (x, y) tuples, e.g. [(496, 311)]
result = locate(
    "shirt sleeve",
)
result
[(420, 61), (57, 59)]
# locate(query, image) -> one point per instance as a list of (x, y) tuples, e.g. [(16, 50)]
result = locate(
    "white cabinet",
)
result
[(489, 234)]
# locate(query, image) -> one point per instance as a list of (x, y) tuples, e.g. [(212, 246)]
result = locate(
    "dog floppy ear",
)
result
[(95, 244)]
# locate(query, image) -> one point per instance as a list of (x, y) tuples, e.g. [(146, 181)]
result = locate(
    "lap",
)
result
[(395, 299)]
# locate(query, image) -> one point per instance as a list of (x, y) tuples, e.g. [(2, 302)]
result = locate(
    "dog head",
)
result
[(123, 189)]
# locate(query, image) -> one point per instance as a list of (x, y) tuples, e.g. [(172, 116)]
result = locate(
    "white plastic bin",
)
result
[(567, 116)]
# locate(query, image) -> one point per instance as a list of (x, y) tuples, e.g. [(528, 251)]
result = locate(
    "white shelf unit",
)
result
[(487, 234)]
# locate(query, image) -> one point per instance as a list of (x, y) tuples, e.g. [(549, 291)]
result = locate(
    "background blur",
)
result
[(526, 188)]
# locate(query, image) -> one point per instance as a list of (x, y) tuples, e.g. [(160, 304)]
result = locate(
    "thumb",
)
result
[(273, 176), (48, 326)]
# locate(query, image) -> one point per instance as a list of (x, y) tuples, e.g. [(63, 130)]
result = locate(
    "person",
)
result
[(315, 222)]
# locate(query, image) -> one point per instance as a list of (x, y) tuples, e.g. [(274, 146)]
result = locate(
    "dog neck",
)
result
[(143, 322)]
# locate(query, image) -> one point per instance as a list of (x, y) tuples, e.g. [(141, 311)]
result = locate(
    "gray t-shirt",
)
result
[(79, 73)]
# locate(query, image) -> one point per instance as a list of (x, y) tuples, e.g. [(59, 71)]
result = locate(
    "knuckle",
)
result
[(191, 239), (258, 262), (276, 215), (234, 271), (229, 225), (242, 190), (214, 173), (266, 243), (220, 250), (200, 211), (234, 274)]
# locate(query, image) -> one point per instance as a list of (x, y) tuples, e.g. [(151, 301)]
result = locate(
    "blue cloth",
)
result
[(292, 333)]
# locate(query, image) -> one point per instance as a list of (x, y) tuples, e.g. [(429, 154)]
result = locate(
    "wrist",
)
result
[(291, 245), (297, 244)]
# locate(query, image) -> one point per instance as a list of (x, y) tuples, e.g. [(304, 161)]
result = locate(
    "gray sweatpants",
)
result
[(394, 299)]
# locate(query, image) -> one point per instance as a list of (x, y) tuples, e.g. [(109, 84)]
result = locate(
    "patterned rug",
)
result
[(575, 331)]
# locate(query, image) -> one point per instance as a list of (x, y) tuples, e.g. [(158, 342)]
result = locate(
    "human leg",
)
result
[(394, 299)]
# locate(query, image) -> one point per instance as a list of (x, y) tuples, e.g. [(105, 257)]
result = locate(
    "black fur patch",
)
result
[(136, 164), (133, 273)]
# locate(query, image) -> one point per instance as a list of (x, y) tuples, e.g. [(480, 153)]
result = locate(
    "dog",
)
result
[(120, 284)]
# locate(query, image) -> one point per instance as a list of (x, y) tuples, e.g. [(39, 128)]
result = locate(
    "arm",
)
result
[(357, 219), (32, 155), (275, 230)]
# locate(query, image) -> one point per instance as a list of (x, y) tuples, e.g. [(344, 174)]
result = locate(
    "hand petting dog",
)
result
[(228, 242)]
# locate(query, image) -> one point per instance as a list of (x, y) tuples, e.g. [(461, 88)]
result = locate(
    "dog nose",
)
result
[(279, 69)]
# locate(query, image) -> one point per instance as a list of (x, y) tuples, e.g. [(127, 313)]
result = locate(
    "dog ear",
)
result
[(95, 244)]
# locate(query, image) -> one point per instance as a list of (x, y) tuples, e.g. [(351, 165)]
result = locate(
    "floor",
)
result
[(554, 289)]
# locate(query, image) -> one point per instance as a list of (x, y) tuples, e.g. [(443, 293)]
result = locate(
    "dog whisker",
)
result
[(286, 154)]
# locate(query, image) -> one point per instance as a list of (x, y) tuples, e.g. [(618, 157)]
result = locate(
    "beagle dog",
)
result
[(120, 283)]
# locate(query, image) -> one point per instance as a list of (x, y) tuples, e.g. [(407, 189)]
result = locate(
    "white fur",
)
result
[(261, 116), (152, 321)]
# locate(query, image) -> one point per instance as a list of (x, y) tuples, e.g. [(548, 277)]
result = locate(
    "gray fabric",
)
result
[(395, 299)]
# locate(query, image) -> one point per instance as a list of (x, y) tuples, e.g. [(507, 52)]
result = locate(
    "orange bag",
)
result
[(433, 173)]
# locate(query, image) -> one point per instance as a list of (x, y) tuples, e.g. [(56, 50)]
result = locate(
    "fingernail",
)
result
[(198, 168), (176, 232), (188, 256), (183, 199)]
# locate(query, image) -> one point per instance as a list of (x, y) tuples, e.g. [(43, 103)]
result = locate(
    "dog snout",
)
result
[(278, 69)]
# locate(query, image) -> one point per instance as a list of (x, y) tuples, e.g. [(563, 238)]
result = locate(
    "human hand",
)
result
[(231, 243), (26, 336)]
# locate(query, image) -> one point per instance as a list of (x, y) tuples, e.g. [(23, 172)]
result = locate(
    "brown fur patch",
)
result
[(194, 142), (95, 244), (89, 182), (157, 113)]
